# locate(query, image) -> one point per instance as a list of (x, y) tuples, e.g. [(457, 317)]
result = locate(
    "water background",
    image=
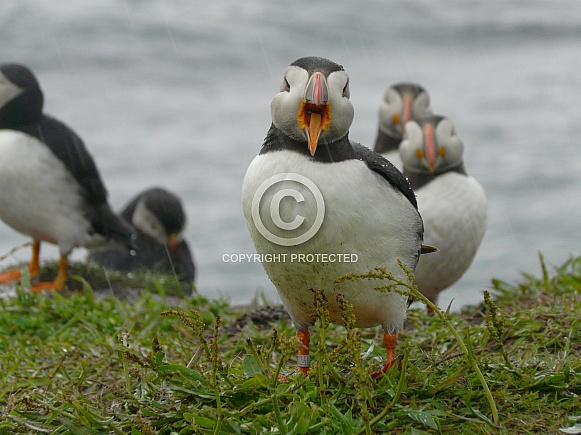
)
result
[(177, 94)]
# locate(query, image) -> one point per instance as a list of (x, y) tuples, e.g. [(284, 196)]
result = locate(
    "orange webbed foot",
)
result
[(390, 341), (58, 284), (385, 368), (10, 276)]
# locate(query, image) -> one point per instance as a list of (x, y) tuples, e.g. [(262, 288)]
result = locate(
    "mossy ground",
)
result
[(81, 364)]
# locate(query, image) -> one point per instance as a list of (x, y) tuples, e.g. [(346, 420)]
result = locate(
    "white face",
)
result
[(418, 155), (285, 105), (144, 220), (391, 111), (8, 90)]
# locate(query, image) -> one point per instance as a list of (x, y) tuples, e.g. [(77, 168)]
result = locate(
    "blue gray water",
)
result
[(177, 93)]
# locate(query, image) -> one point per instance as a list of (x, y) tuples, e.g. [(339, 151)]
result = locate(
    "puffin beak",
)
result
[(407, 109), (430, 146), (173, 242), (314, 114)]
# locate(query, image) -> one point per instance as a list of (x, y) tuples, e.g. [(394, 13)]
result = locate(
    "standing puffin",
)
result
[(453, 204), (50, 188), (159, 218), (308, 175), (401, 103)]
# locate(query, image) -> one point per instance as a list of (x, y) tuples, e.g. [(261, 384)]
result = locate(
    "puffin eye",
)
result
[(285, 86), (346, 92)]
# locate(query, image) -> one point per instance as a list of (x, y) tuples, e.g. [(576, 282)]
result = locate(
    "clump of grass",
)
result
[(103, 280), (79, 364)]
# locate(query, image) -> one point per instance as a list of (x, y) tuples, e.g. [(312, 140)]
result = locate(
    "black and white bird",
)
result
[(309, 175), (402, 102), (160, 219), (452, 204), (50, 188)]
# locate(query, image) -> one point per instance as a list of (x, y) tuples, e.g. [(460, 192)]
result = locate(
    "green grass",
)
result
[(81, 364)]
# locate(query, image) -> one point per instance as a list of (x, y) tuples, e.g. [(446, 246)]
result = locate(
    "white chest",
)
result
[(363, 218), (38, 196), (454, 210)]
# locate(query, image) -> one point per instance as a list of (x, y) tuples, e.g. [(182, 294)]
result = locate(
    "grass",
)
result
[(82, 364)]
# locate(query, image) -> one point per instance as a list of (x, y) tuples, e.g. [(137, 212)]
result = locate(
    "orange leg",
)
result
[(304, 354), (61, 279), (33, 267), (433, 300), (390, 341)]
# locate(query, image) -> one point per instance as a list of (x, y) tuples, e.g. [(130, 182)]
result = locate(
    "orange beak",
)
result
[(407, 109), (314, 114), (430, 146), (173, 242)]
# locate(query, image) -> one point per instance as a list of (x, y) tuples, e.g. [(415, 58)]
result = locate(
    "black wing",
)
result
[(377, 163), (70, 149)]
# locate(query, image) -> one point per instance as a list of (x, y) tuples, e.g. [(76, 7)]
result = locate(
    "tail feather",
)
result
[(428, 249), (112, 227)]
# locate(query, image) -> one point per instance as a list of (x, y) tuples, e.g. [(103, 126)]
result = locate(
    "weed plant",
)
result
[(79, 364)]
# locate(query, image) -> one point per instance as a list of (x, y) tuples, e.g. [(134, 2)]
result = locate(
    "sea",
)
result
[(177, 93)]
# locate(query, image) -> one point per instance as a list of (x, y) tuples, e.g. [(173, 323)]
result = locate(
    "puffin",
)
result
[(401, 103), (319, 206), (453, 204), (159, 219), (50, 187)]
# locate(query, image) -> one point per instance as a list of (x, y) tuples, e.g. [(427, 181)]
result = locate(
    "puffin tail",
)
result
[(428, 249), (113, 227)]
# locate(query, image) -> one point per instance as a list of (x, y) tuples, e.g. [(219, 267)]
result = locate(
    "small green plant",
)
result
[(409, 289), (81, 363)]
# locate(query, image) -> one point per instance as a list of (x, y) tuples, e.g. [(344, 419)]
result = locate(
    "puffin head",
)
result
[(159, 214), (402, 102), (430, 145), (21, 98), (313, 104)]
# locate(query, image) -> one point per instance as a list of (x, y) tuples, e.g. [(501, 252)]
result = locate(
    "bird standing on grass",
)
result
[(401, 103), (159, 218), (309, 175), (50, 188), (453, 204)]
